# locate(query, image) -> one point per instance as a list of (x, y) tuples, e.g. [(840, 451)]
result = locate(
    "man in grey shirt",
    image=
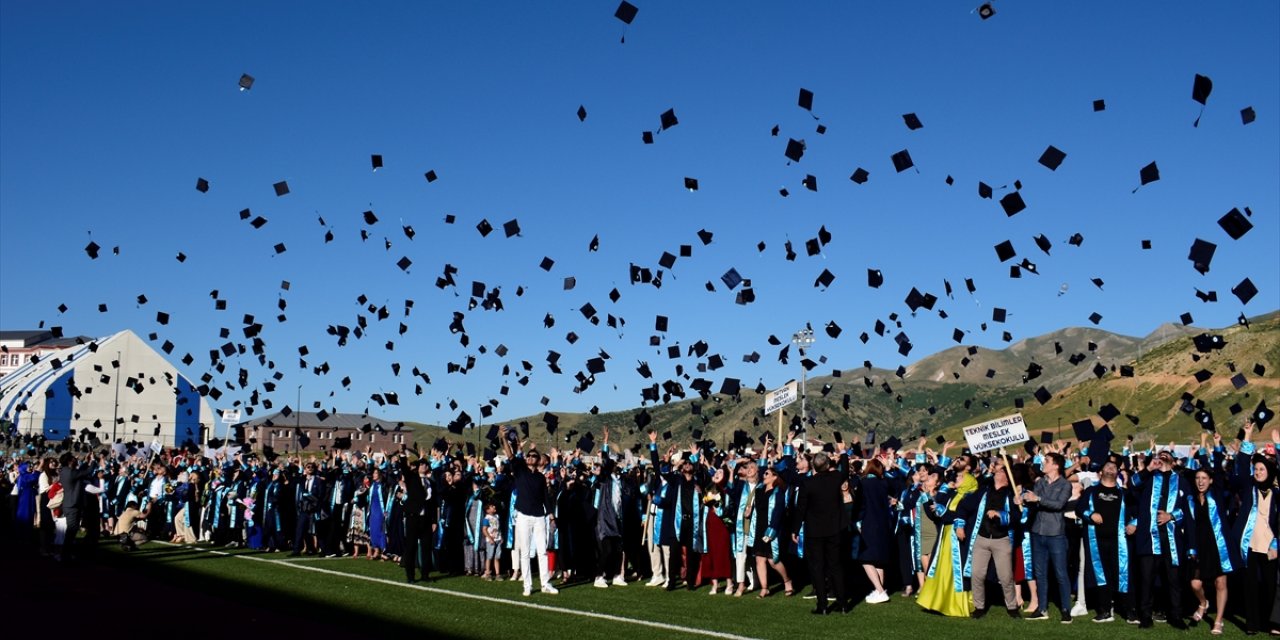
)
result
[(1049, 499)]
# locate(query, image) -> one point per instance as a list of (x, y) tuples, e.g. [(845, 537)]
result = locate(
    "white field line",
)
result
[(471, 596)]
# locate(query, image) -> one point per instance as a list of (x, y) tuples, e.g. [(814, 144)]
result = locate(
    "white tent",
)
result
[(114, 388)]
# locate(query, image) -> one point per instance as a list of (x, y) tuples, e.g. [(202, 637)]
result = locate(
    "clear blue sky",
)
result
[(110, 112)]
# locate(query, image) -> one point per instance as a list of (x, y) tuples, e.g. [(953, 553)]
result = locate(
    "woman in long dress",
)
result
[(944, 589), (375, 522), (357, 534), (717, 562), (876, 527)]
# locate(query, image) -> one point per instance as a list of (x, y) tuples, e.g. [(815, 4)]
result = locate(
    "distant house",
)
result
[(18, 347), (313, 431)]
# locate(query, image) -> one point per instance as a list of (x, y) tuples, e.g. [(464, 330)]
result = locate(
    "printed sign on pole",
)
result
[(997, 433), (780, 397)]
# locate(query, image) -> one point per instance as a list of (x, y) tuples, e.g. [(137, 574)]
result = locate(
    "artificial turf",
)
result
[(337, 595)]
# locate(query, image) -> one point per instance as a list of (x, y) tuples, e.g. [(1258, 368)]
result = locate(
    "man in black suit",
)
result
[(73, 477), (310, 493), (419, 516), (820, 510)]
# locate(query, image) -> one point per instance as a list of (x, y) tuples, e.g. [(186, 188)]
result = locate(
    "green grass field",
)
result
[(371, 599)]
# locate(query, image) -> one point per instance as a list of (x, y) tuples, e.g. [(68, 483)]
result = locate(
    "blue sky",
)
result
[(111, 112)]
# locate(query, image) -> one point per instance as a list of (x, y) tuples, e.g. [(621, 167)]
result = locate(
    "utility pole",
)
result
[(115, 414), (297, 420)]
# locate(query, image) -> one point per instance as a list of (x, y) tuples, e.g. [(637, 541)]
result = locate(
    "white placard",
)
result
[(230, 415), (780, 398), (997, 433)]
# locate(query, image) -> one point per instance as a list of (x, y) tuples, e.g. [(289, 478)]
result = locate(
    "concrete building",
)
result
[(18, 347), (321, 430), (115, 388)]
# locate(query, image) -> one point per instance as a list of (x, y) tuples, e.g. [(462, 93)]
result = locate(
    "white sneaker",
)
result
[(877, 597), (549, 590), (601, 584), (527, 592), (654, 582), (1079, 610), (619, 581)]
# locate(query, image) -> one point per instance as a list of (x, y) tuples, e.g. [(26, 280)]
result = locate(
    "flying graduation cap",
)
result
[(1200, 90)]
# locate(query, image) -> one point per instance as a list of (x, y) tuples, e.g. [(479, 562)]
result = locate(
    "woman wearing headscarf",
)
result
[(944, 589), (1253, 538)]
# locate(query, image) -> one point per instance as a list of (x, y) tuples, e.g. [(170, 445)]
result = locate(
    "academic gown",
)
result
[(944, 589)]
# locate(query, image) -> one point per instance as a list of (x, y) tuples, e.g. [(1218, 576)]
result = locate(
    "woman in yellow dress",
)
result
[(944, 589)]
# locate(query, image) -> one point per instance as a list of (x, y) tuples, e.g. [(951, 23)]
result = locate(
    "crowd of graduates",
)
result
[(1181, 535)]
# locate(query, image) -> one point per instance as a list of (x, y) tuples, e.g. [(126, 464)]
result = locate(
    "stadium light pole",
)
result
[(803, 339), (297, 420), (115, 414)]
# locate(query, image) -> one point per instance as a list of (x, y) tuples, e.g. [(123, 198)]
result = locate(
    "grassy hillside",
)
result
[(931, 396)]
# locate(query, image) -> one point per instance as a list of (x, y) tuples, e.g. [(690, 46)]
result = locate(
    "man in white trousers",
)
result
[(531, 510)]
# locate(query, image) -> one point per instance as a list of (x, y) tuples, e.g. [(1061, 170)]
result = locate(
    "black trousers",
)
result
[(1149, 567), (1108, 599), (417, 540), (73, 530), (609, 556), (823, 554), (683, 555), (1258, 602), (301, 534)]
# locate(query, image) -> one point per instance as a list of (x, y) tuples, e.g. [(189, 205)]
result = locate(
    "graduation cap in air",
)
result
[(1247, 115), (1245, 291), (202, 185), (376, 161), (1005, 251), (795, 150), (246, 82), (668, 119), (281, 188), (1052, 157), (582, 113), (691, 184), (1083, 430), (805, 100), (1012, 203), (626, 12), (874, 278), (1200, 90), (1147, 175), (860, 176), (902, 161), (1262, 415), (986, 11), (1205, 418), (912, 121), (1235, 224), (1201, 255)]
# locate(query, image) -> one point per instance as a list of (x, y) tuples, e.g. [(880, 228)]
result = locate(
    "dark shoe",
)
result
[(1015, 614), (1066, 618), (1103, 617), (821, 611), (1177, 623), (978, 613), (1039, 615)]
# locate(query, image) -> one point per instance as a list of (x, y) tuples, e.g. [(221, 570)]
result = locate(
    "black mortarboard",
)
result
[(1043, 396), (1046, 437), (511, 227), (1005, 251), (806, 99), (795, 150), (92, 249), (860, 175), (1201, 88), (730, 387), (1108, 412), (1099, 105), (1262, 415), (484, 228), (874, 278), (432, 177), (1245, 291), (668, 119), (731, 279), (1203, 375), (1186, 319), (986, 10), (1083, 429), (998, 314), (246, 82), (912, 121), (1149, 173), (1012, 203), (1095, 317), (984, 190), (202, 185), (1247, 115), (1044, 243), (824, 279), (1239, 381), (1052, 157), (810, 182), (1146, 244), (582, 113), (902, 161), (626, 12), (281, 188), (376, 161), (1235, 224)]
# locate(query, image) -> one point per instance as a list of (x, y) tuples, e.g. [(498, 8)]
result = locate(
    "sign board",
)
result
[(780, 397), (156, 447), (230, 415), (997, 433)]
